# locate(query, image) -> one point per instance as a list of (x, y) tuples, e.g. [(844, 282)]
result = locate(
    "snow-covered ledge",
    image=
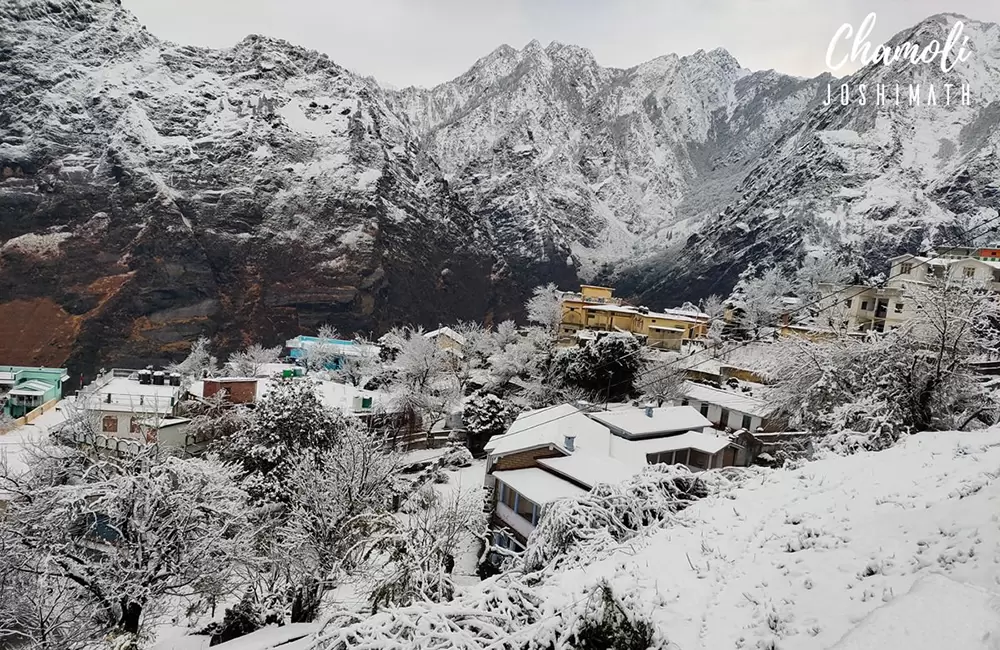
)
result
[(514, 520)]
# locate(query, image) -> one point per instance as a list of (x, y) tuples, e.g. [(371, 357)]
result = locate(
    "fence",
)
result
[(31, 416)]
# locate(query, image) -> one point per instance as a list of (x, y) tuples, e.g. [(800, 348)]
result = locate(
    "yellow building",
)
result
[(596, 308)]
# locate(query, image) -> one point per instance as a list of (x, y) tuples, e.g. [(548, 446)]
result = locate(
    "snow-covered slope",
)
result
[(799, 557), (789, 559)]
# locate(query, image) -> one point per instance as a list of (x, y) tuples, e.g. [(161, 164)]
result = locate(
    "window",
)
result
[(666, 457), (704, 409), (905, 268), (684, 402), (507, 496), (527, 509), (969, 272), (898, 308), (746, 422), (864, 305), (724, 418), (698, 459), (109, 424), (133, 425), (847, 303)]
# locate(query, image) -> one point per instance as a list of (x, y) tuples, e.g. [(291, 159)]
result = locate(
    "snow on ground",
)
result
[(468, 480), (16, 444), (797, 559)]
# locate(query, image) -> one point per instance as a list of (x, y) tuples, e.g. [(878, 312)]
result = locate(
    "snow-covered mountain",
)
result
[(151, 192), (670, 178)]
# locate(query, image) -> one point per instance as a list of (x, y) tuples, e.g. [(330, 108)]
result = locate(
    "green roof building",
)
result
[(23, 389)]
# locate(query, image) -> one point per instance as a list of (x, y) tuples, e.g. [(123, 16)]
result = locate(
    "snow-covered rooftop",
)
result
[(550, 426), (727, 399), (650, 422), (446, 331), (538, 485), (591, 469), (31, 387), (635, 451), (331, 394)]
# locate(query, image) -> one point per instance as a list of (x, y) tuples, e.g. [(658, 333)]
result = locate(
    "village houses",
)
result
[(596, 308)]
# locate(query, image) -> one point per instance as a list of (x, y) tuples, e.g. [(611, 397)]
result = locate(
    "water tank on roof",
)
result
[(158, 378), (145, 377), (175, 379)]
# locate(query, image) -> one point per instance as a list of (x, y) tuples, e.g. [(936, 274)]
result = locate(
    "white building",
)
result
[(727, 409), (119, 401), (880, 309), (561, 451)]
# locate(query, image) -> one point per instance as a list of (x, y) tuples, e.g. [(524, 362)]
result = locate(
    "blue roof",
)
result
[(316, 339)]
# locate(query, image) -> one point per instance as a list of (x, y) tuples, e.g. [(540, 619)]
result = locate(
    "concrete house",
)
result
[(121, 401), (596, 308), (24, 389), (727, 409), (340, 349), (447, 339), (880, 309), (564, 451)]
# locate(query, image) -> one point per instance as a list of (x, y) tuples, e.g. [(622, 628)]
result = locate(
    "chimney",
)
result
[(570, 443), (649, 411)]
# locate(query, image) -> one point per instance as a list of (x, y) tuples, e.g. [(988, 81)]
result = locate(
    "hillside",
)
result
[(152, 192), (842, 552)]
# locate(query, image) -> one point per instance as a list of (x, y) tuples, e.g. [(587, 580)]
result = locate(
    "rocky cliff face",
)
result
[(152, 192)]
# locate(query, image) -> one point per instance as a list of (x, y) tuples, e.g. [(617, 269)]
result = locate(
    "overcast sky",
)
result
[(425, 42)]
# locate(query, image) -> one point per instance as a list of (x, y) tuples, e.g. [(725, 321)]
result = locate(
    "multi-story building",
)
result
[(596, 308), (884, 308)]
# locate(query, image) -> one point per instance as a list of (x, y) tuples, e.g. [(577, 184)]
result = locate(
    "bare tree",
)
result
[(360, 364), (250, 362), (339, 498), (322, 353), (419, 553), (199, 362), (664, 382), (545, 307)]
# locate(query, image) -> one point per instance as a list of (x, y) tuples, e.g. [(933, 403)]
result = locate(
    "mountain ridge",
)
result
[(257, 191)]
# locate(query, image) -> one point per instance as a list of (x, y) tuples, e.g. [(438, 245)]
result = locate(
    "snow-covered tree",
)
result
[(198, 363), (820, 270), (910, 379), (323, 352), (760, 301), (288, 425), (420, 379), (714, 307), (606, 367), (126, 536), (545, 307), (341, 500), (524, 369), (418, 553), (663, 382), (485, 415), (362, 365), (250, 362)]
